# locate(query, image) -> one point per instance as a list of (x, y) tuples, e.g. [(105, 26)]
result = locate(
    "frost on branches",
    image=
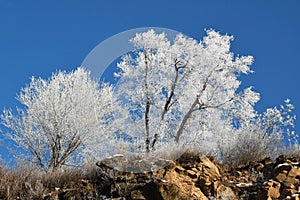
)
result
[(61, 118), (170, 95), (187, 92)]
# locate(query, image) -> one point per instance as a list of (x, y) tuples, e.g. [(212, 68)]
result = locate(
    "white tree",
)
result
[(169, 94), (186, 91), (61, 119)]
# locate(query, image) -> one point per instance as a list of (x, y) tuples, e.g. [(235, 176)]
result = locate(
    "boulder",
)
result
[(209, 168)]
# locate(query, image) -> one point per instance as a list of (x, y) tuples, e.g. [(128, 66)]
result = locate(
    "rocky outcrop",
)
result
[(267, 179), (194, 177), (189, 177)]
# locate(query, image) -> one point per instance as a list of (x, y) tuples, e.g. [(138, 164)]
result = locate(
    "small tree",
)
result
[(266, 135), (61, 119)]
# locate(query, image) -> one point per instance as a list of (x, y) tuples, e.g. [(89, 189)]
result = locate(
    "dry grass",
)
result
[(292, 151), (78, 183), (89, 182), (250, 147)]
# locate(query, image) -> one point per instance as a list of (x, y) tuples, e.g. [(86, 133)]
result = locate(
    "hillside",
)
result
[(189, 177), (194, 177)]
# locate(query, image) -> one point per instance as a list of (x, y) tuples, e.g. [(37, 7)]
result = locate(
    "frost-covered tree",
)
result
[(169, 94), (61, 119), (186, 91)]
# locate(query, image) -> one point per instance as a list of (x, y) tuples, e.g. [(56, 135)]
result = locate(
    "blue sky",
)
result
[(39, 37)]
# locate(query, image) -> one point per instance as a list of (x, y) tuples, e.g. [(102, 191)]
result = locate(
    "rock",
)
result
[(270, 191), (291, 180), (294, 172), (244, 185), (281, 177), (113, 163), (205, 184), (289, 185), (203, 178), (238, 173), (288, 192), (163, 163), (226, 193), (273, 193), (180, 186), (257, 165), (179, 169), (209, 168), (267, 161), (192, 174), (296, 197), (223, 192), (141, 166), (283, 167), (137, 194)]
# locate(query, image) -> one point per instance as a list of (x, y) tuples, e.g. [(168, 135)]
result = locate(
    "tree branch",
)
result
[(193, 106), (185, 119), (169, 102)]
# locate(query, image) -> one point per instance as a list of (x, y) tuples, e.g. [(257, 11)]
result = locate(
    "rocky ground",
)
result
[(189, 177)]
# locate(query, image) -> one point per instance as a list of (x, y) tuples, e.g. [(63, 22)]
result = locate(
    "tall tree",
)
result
[(175, 90)]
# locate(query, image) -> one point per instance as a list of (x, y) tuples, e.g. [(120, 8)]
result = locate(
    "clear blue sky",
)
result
[(39, 37)]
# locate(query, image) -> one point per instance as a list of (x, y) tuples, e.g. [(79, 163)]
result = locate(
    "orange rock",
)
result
[(180, 186), (273, 193), (191, 174), (291, 180), (210, 168), (178, 168), (223, 192), (281, 177), (294, 172)]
